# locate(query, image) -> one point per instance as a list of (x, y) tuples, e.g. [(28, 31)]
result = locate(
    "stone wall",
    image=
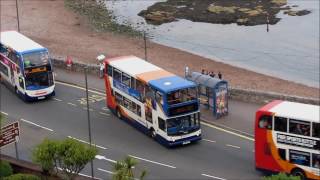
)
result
[(246, 95)]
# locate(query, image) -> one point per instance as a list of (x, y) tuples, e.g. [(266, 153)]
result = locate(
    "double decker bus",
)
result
[(157, 102), (287, 139), (25, 66)]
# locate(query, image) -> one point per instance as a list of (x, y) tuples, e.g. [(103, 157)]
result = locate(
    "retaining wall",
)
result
[(246, 95)]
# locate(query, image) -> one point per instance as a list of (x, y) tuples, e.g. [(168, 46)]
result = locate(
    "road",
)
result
[(220, 155)]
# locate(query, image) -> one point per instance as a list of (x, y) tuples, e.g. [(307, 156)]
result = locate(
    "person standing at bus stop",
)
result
[(101, 59)]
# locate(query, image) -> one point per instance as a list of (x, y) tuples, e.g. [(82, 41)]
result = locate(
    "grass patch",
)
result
[(100, 17)]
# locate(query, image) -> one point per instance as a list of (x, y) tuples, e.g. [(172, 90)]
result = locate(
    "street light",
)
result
[(88, 113), (17, 9)]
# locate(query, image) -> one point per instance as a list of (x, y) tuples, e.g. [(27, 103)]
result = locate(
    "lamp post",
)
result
[(17, 9), (88, 113)]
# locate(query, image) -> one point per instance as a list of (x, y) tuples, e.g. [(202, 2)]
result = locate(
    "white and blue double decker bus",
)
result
[(25, 66), (159, 103)]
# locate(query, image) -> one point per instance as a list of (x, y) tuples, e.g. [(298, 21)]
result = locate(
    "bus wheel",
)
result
[(153, 133), (299, 173), (118, 113)]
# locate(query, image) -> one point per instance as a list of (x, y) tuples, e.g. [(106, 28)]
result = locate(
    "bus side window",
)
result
[(316, 160), (116, 75), (282, 153), (280, 124), (162, 124), (316, 130), (109, 70), (299, 157), (21, 82), (126, 79), (265, 122), (133, 83), (299, 127), (3, 50)]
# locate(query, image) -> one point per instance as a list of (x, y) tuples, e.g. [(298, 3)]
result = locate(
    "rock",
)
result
[(297, 13), (159, 17)]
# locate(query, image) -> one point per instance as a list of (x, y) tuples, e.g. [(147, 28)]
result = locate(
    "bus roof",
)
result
[(155, 76), (19, 42), (293, 110)]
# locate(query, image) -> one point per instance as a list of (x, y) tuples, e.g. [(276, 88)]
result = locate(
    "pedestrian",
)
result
[(212, 74), (186, 72), (202, 71), (220, 75), (101, 63)]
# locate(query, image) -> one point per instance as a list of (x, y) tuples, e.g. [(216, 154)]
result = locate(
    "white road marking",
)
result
[(233, 146), (230, 132), (4, 113), (232, 129), (104, 158), (83, 175), (105, 109), (209, 140), (110, 172), (104, 113), (89, 176), (71, 104), (78, 87), (87, 142), (87, 109), (57, 99), (152, 161), (214, 177), (103, 170), (36, 125)]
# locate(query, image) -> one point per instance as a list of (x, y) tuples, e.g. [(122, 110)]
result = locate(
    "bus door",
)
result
[(12, 74)]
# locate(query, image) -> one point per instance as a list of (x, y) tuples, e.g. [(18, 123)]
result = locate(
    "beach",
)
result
[(66, 33)]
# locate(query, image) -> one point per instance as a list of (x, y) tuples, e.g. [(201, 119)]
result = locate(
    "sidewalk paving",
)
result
[(240, 118)]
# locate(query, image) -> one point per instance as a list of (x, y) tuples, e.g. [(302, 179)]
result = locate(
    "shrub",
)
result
[(69, 155), (281, 176), (5, 169), (22, 177)]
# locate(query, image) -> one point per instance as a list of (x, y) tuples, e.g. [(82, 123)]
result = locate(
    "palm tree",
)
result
[(124, 170)]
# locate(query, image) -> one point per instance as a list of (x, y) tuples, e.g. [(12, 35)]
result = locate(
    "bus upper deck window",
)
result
[(280, 124), (299, 127), (316, 130), (265, 121)]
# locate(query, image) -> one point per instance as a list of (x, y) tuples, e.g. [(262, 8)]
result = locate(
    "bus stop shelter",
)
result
[(213, 92)]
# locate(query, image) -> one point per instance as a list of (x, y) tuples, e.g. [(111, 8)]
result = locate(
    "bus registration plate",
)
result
[(41, 97), (185, 142)]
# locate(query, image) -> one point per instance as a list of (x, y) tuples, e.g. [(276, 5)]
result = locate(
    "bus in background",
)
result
[(287, 139), (25, 66), (159, 103)]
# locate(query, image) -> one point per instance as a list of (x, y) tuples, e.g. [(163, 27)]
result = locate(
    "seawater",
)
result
[(290, 50)]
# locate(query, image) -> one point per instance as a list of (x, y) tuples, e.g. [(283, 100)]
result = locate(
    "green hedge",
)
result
[(5, 169)]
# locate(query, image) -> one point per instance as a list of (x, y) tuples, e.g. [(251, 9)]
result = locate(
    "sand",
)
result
[(64, 33)]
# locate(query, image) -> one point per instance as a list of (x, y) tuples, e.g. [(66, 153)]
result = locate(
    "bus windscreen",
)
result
[(35, 59), (38, 80)]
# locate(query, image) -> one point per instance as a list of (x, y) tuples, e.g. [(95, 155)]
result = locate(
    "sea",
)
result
[(289, 50)]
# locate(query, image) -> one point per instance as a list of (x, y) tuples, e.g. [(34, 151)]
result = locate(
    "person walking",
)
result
[(219, 75), (101, 63), (212, 74)]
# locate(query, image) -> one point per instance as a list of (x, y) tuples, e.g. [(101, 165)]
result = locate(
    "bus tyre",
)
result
[(118, 113), (299, 173), (153, 133)]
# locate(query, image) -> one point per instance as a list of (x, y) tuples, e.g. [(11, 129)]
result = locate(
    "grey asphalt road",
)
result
[(220, 155)]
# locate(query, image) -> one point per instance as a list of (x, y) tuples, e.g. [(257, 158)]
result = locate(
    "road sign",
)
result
[(9, 134)]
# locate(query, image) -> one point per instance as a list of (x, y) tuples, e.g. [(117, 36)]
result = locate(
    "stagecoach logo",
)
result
[(298, 141)]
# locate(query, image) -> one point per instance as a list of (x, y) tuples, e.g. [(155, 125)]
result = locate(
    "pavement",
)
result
[(240, 118)]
